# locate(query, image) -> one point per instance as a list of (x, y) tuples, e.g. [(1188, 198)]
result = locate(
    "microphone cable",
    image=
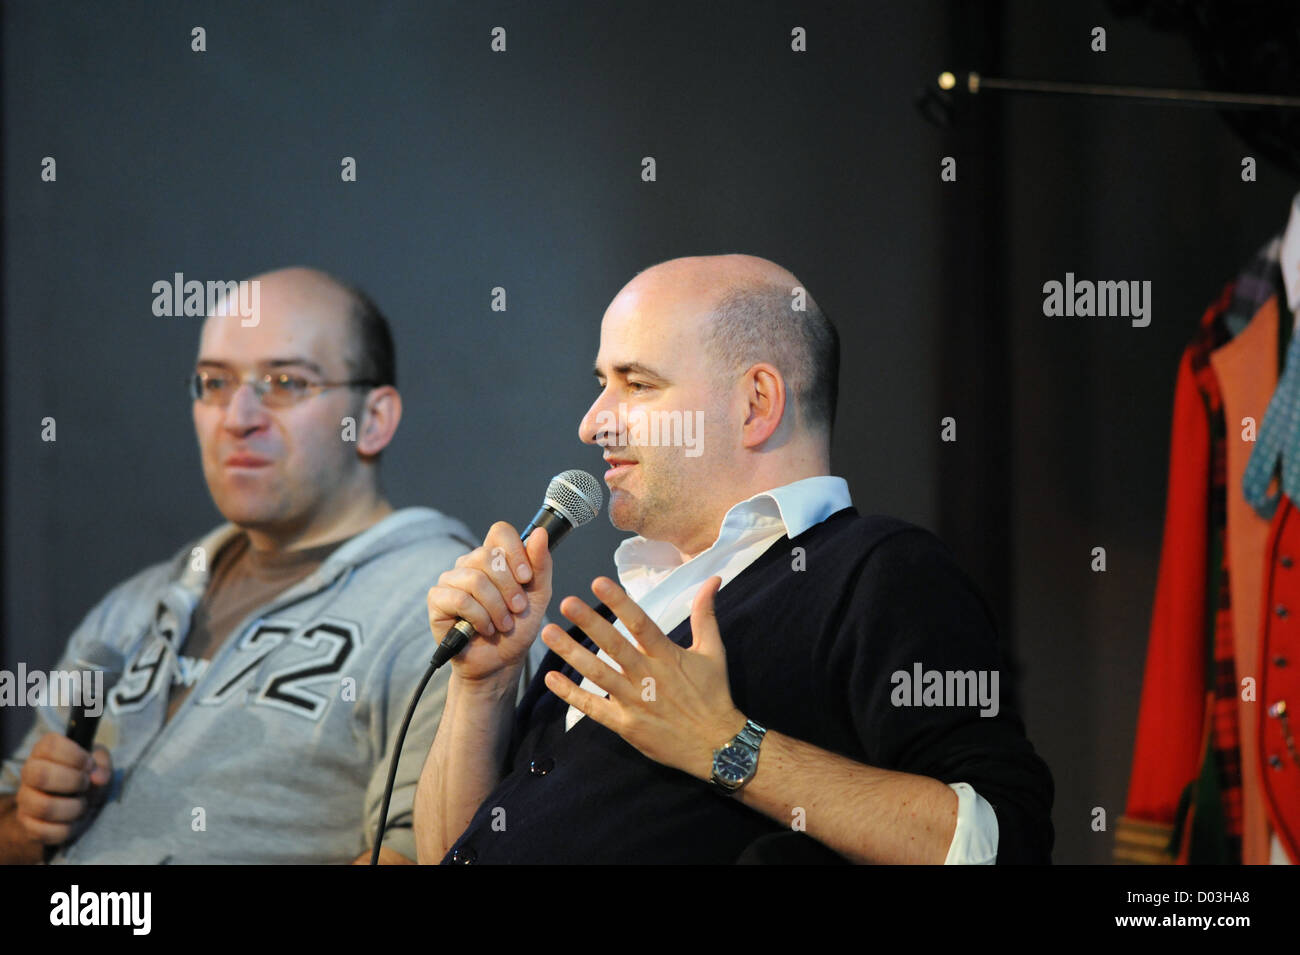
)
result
[(572, 499)]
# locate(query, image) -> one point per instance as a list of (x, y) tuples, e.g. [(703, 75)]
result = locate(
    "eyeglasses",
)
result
[(274, 389)]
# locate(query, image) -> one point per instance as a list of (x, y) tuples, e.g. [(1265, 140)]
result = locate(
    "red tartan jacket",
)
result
[(1169, 745), (1189, 741)]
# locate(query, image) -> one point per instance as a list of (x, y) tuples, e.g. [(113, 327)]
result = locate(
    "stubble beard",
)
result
[(662, 503)]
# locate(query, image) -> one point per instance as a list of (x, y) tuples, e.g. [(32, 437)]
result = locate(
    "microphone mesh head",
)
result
[(108, 661), (101, 657), (575, 494)]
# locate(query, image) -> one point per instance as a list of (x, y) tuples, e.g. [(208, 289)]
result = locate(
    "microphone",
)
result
[(572, 499), (81, 725)]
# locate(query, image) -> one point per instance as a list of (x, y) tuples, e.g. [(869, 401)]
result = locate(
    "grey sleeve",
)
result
[(391, 693), (389, 690), (47, 721), (52, 719), (389, 687)]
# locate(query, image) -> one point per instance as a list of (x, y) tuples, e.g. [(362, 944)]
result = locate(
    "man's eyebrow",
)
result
[(269, 363), (300, 362), (631, 368)]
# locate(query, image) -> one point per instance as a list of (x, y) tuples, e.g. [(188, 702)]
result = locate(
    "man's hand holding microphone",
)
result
[(486, 611)]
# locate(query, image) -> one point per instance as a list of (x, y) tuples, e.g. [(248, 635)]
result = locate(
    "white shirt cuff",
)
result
[(975, 842)]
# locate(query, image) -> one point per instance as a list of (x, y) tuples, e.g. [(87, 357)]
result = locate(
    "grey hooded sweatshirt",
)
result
[(280, 752)]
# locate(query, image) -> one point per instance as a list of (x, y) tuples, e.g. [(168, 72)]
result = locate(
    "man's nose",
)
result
[(598, 421), (245, 411)]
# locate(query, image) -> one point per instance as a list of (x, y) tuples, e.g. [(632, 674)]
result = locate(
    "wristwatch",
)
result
[(735, 763)]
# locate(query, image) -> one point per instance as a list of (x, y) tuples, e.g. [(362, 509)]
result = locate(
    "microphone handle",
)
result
[(81, 730), (462, 631)]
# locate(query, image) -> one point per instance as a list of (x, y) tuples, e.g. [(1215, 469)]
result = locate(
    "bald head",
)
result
[(753, 310), (292, 410), (732, 345), (316, 298)]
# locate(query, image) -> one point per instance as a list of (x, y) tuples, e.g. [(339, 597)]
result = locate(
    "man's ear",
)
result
[(380, 415), (765, 397)]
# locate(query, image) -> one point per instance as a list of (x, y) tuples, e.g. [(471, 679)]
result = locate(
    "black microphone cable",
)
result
[(572, 499)]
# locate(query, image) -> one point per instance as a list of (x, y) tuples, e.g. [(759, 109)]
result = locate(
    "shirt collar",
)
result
[(793, 507), (1290, 256)]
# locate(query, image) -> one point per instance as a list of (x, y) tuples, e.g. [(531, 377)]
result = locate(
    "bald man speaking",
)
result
[(773, 676), (266, 666)]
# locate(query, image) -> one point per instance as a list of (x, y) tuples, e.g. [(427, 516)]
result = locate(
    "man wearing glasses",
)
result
[(266, 667)]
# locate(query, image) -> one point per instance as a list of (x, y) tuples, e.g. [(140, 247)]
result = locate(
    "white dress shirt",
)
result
[(653, 574)]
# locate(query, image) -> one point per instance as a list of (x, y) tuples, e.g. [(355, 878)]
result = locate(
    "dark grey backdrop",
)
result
[(523, 170)]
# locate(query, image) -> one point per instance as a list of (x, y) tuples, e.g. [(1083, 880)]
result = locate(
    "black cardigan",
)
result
[(812, 640)]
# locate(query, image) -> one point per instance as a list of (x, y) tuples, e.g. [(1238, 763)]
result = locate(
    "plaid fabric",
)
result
[(1216, 794), (1215, 798), (1259, 281), (1188, 791)]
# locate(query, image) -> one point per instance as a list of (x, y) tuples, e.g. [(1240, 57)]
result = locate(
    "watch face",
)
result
[(733, 763)]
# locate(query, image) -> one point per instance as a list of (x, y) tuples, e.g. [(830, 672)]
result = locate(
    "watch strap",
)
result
[(750, 738)]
